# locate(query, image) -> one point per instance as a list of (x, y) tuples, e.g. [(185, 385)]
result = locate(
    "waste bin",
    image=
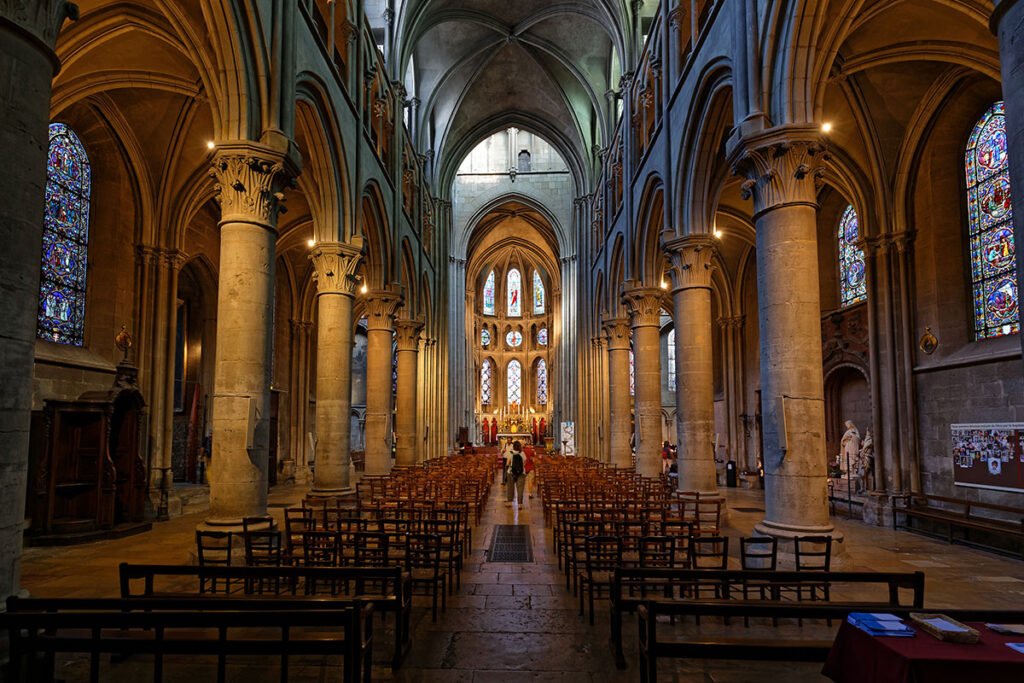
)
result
[(730, 474)]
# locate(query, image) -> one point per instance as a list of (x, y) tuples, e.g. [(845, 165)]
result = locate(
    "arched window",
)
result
[(632, 373), (524, 161), (514, 387), (486, 382), (538, 294), (489, 294), (993, 272), (853, 286), (61, 316), (542, 382), (542, 336), (515, 292), (671, 360), (485, 337)]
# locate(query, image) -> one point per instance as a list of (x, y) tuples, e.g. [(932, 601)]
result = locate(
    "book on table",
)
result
[(880, 624)]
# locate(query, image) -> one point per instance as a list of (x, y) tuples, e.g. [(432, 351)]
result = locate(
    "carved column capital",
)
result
[(174, 258), (40, 18), (781, 166), (407, 334), (334, 266), (146, 255), (251, 180), (300, 327), (381, 306), (643, 303), (903, 240), (616, 332), (691, 260)]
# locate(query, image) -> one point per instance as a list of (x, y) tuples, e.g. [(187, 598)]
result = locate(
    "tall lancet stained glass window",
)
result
[(671, 360), (993, 272), (538, 294), (61, 315), (489, 294), (853, 286), (514, 388), (542, 382), (515, 292), (486, 382)]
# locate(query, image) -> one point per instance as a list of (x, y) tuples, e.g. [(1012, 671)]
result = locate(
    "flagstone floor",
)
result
[(516, 622)]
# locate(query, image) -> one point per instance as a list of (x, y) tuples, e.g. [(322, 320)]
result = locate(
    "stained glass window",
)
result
[(514, 390), (486, 382), (514, 338), (853, 286), (61, 315), (489, 294), (538, 294), (394, 369), (993, 272), (485, 337), (515, 287), (542, 382), (672, 360), (542, 336)]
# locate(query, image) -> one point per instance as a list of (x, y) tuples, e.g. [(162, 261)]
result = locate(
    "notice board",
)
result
[(989, 455)]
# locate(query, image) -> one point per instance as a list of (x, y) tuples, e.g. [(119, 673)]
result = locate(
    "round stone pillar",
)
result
[(407, 337), (28, 32), (617, 333), (691, 260), (644, 305), (335, 264), (380, 311), (250, 179), (780, 166)]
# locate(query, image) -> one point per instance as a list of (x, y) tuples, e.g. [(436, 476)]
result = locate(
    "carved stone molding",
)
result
[(41, 18), (616, 331), (643, 303), (781, 167), (407, 334), (250, 184), (334, 267), (734, 323), (381, 306), (174, 259), (691, 260), (300, 327)]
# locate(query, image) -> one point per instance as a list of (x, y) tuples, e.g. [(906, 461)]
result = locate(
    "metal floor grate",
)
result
[(511, 543)]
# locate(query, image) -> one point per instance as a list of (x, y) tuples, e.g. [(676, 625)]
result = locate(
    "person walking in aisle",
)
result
[(516, 474)]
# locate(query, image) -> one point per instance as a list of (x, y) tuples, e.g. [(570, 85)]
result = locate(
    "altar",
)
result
[(525, 437), (526, 426)]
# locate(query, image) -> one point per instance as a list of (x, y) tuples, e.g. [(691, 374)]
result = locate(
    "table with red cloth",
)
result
[(857, 657)]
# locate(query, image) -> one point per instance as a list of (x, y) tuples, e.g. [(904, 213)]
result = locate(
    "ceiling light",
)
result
[(826, 127), (718, 233), (210, 144), (311, 242), (364, 289)]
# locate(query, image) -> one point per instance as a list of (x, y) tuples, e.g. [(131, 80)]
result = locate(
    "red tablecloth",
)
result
[(857, 657)]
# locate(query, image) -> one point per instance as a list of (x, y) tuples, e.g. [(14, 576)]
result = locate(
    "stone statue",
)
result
[(849, 447), (865, 462)]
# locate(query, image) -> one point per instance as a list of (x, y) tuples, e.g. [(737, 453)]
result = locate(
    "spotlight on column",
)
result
[(826, 127), (718, 233), (664, 285), (311, 242), (364, 289), (210, 144)]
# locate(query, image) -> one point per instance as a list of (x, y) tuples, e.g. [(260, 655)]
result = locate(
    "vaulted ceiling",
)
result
[(542, 65)]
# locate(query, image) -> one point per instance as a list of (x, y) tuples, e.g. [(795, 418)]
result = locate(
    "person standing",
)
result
[(516, 474), (529, 452)]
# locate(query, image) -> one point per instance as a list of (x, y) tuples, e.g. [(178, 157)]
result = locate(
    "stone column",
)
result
[(28, 32), (644, 304), (781, 166), (251, 178), (1008, 23), (335, 264), (299, 398), (616, 331), (407, 336), (691, 266), (381, 305)]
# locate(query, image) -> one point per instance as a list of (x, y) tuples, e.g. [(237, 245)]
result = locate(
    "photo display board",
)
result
[(989, 455)]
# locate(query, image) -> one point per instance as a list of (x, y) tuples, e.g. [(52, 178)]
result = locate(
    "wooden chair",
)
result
[(602, 556), (813, 554), (297, 521), (423, 562), (213, 549), (576, 549), (759, 553)]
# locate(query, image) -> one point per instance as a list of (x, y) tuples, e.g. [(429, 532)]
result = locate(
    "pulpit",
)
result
[(87, 475)]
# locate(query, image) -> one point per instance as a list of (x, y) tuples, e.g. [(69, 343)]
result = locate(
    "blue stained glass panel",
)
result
[(63, 267), (486, 382), (485, 337), (515, 292), (542, 336), (990, 230), (514, 390), (489, 294), (542, 382), (852, 281)]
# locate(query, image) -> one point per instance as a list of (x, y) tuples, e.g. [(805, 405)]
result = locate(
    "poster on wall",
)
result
[(989, 455), (568, 438)]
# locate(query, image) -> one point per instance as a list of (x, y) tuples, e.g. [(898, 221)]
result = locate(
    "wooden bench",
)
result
[(652, 647), (632, 587), (41, 628), (956, 513), (389, 588)]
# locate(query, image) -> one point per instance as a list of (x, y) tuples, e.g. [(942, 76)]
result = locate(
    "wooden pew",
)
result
[(957, 513), (758, 647), (200, 626), (631, 587), (389, 588)]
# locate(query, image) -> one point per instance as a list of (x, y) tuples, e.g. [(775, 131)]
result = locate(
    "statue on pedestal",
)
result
[(849, 447), (865, 462)]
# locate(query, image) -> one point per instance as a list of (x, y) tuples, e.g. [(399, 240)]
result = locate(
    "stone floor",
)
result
[(516, 622)]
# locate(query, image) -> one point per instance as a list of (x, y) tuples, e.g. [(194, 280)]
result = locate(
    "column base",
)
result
[(341, 497), (785, 533), (877, 509), (234, 524)]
